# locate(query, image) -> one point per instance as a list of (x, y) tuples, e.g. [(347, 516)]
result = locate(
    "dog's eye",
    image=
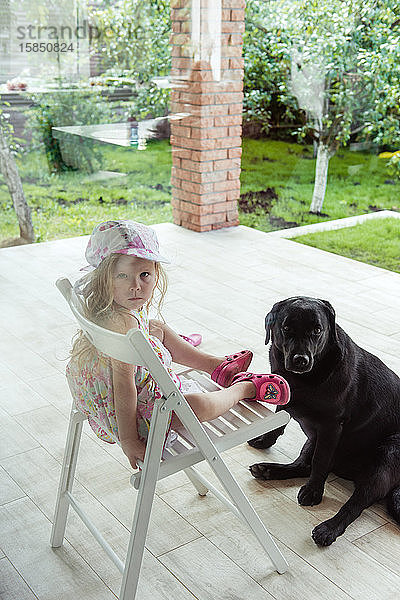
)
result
[(317, 330), (285, 328)]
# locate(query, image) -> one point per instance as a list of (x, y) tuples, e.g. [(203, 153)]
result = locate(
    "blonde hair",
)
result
[(96, 290)]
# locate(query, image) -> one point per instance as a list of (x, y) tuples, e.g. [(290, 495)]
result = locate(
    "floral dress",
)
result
[(92, 388)]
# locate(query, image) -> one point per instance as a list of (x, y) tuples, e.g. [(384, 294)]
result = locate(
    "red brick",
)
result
[(223, 206), (208, 110), (232, 27), (227, 120), (176, 26), (233, 195), (180, 14), (237, 14), (235, 39), (209, 155), (198, 188), (204, 75), (230, 51), (235, 131), (234, 3), (228, 98), (186, 26), (236, 108), (227, 142), (209, 177), (226, 14), (226, 164), (175, 203), (236, 63), (180, 131), (197, 121), (232, 223), (176, 160), (235, 153), (232, 214), (197, 167), (198, 228), (179, 39), (224, 186), (233, 174), (182, 174), (183, 63), (196, 99), (181, 153), (210, 132), (178, 3), (176, 182)]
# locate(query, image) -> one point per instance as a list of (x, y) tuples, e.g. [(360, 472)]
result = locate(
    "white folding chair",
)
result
[(197, 442)]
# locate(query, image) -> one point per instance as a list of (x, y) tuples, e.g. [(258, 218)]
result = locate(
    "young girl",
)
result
[(118, 398)]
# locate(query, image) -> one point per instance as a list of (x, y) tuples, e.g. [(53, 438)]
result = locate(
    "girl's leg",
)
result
[(182, 352), (210, 405)]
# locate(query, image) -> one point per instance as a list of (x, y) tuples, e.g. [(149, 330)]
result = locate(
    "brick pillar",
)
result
[(207, 76)]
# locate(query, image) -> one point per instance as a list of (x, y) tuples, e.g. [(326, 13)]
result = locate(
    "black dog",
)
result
[(346, 401)]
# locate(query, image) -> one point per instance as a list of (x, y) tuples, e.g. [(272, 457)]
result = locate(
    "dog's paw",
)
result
[(261, 470), (266, 440), (309, 495), (324, 534)]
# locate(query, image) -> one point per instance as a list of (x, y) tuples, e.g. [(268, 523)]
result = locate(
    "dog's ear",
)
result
[(330, 311), (272, 316), (269, 321)]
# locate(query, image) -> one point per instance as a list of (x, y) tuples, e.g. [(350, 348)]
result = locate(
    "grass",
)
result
[(70, 204), (358, 183), (362, 242)]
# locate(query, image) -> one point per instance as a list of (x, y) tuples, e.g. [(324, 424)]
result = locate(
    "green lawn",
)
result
[(277, 183), (358, 182), (362, 242), (70, 204)]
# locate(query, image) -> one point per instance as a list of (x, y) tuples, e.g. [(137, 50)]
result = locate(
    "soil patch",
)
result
[(263, 199), (279, 223)]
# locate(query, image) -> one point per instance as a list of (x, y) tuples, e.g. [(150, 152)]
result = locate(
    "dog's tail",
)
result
[(393, 503)]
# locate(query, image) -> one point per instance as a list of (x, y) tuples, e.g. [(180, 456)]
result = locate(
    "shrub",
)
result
[(60, 109)]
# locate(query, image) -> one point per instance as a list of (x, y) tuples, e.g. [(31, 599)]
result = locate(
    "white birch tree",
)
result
[(9, 170), (343, 68)]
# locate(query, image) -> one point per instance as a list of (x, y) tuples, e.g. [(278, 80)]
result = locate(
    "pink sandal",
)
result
[(194, 339), (231, 366), (269, 388)]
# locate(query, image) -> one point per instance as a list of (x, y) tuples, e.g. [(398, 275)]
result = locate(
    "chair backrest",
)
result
[(132, 347)]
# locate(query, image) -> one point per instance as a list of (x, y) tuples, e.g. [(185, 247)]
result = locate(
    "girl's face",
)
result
[(134, 280)]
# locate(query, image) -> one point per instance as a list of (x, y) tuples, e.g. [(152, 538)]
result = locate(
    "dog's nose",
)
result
[(301, 360)]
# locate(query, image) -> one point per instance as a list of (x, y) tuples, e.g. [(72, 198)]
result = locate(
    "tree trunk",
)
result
[(9, 169), (321, 176)]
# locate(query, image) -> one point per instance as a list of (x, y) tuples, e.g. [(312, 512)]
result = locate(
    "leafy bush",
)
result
[(268, 101), (60, 109), (394, 164), (133, 38)]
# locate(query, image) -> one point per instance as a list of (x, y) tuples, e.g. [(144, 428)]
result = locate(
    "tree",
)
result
[(133, 38), (344, 71), (9, 170)]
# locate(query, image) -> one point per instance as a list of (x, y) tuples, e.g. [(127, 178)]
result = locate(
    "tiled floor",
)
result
[(221, 284)]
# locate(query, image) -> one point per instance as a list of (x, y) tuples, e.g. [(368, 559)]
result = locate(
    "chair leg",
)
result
[(144, 503), (199, 485), (67, 477), (240, 500), (249, 515)]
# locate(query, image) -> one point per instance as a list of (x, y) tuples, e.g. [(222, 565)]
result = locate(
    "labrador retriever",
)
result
[(346, 401)]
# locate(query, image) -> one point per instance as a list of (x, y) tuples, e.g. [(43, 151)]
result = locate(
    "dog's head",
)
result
[(302, 329)]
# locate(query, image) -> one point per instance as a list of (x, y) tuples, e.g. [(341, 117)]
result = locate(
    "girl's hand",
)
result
[(134, 450)]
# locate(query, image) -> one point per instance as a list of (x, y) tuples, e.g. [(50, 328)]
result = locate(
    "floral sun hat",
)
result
[(122, 237)]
